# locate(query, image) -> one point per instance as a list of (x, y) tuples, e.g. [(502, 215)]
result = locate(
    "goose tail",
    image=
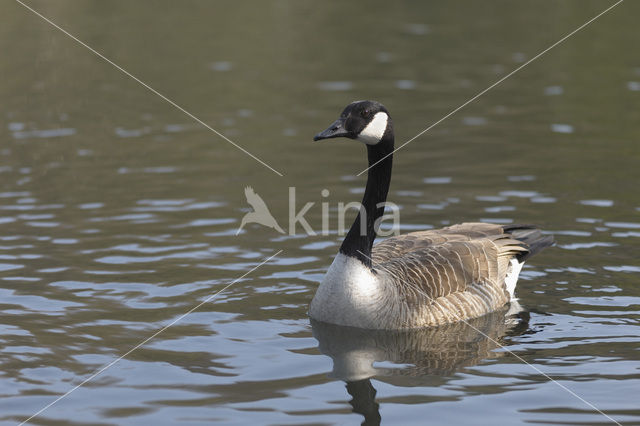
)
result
[(531, 236)]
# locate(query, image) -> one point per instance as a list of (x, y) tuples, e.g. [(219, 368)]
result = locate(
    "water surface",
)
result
[(118, 213)]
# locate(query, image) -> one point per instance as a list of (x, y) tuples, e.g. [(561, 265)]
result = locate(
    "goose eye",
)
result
[(365, 113)]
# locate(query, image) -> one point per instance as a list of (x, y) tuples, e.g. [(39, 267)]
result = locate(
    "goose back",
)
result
[(451, 274)]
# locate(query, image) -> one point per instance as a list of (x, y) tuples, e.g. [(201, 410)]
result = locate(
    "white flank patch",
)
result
[(372, 134), (512, 277)]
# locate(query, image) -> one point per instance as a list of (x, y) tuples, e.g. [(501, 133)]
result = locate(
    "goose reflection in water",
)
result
[(421, 357)]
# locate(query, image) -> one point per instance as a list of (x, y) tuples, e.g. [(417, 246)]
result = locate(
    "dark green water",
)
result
[(118, 213)]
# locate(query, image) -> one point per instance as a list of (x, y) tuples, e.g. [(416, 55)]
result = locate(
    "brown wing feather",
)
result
[(398, 245), (440, 269), (457, 272)]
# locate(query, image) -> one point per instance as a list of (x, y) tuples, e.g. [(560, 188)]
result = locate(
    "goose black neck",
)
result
[(360, 237)]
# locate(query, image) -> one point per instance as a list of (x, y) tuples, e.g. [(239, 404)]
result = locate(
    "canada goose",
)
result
[(419, 279)]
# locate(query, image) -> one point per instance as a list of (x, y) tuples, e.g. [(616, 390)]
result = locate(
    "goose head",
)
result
[(365, 121)]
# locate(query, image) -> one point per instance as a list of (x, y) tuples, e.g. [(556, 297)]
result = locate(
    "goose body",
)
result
[(419, 279)]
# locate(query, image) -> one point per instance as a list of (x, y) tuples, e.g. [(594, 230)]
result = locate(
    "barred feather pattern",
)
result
[(444, 276)]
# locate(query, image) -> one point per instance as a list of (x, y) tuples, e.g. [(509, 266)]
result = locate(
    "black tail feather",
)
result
[(530, 235)]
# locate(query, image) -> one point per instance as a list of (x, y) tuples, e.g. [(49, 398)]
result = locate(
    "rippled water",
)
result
[(118, 213)]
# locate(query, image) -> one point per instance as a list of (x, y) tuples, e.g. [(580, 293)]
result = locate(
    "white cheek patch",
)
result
[(372, 134)]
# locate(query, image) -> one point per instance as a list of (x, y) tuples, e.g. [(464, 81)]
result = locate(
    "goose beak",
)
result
[(336, 130)]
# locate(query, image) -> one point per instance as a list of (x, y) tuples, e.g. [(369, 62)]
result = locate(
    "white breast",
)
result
[(349, 294)]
